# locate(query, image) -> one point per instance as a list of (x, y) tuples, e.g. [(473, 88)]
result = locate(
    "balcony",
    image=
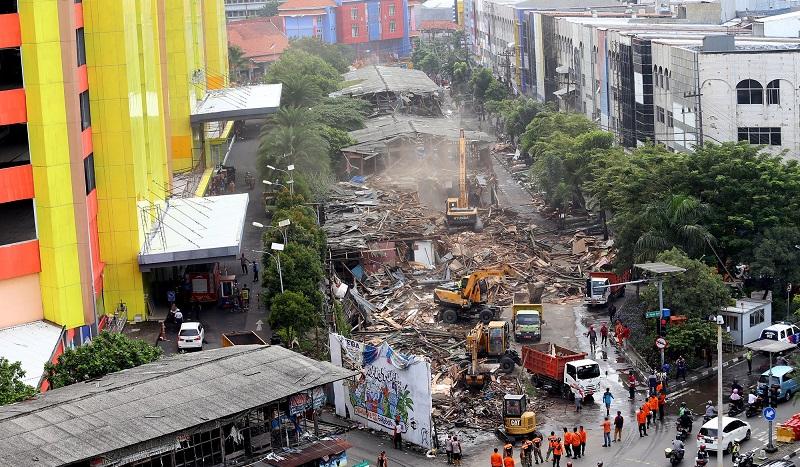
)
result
[(19, 259)]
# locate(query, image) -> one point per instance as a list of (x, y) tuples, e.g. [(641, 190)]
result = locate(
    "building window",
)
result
[(732, 322), (660, 114), (749, 91), (86, 116), (391, 10), (354, 14), (670, 121), (756, 317), (354, 30), (88, 173), (392, 26), (80, 44), (761, 135), (666, 78), (774, 92)]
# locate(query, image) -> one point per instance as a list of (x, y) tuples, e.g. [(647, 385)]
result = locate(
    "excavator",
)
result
[(492, 342), (469, 296), (458, 213), (518, 421)]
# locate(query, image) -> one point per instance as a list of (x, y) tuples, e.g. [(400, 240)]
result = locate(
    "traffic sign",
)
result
[(769, 414), (661, 343), (666, 313), (652, 314)]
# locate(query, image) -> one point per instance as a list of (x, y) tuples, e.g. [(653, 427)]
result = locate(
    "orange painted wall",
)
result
[(22, 300), (16, 183), (19, 259), (9, 31), (12, 107)]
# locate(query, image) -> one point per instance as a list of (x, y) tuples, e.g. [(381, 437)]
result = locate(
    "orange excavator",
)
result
[(469, 296), (458, 213)]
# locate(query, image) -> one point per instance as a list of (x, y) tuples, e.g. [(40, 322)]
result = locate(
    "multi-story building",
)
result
[(241, 9), (100, 102)]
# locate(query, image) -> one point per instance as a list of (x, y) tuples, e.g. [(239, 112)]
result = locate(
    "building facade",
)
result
[(95, 106), (242, 9)]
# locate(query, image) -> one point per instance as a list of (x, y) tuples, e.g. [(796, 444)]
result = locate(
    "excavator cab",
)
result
[(498, 339), (518, 422)]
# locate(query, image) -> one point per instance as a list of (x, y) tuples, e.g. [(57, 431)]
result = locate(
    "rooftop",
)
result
[(122, 409), (441, 25), (305, 5), (32, 345), (238, 103), (259, 38), (375, 79)]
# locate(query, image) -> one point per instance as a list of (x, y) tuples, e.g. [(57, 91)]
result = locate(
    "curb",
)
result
[(706, 373)]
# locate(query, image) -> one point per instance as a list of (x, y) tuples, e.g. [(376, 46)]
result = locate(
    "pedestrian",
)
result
[(567, 442), (551, 442), (576, 443), (709, 357), (583, 435), (508, 450), (496, 459), (448, 448), (631, 385), (618, 332), (243, 261), (456, 451), (647, 413), (652, 382), (782, 361), (652, 406), (607, 398), (748, 355), (662, 402), (604, 335), (592, 334), (558, 449), (537, 450), (578, 403), (618, 422), (397, 439), (680, 368), (525, 453), (606, 433), (172, 309), (508, 461), (178, 318), (626, 333), (255, 271), (171, 296), (612, 311), (382, 460), (245, 292), (641, 419)]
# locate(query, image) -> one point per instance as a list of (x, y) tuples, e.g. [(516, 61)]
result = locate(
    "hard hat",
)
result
[(702, 447), (710, 403)]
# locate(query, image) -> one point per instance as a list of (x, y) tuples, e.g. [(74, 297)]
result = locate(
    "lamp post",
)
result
[(288, 171), (282, 226), (719, 321), (277, 248)]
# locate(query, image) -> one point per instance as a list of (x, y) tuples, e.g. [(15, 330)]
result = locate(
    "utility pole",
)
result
[(507, 65)]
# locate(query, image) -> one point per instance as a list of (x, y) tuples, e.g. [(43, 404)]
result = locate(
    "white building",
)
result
[(747, 319), (240, 9), (786, 25)]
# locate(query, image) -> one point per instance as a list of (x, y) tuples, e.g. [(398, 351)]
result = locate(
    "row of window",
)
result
[(354, 12), (665, 117), (750, 91), (355, 31), (760, 135), (661, 77)]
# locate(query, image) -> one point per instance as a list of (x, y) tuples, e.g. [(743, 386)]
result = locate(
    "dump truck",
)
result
[(240, 338), (491, 342), (469, 296), (561, 370), (518, 421), (527, 320), (601, 288)]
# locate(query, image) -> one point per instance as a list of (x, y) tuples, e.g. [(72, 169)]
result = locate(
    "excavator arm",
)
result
[(472, 289)]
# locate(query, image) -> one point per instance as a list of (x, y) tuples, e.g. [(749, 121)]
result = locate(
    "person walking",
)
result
[(178, 318), (606, 433), (592, 334), (680, 368), (383, 461), (448, 448), (567, 442), (604, 335), (551, 442), (748, 356), (631, 385), (508, 461), (397, 437), (652, 407), (496, 459), (578, 403), (456, 451), (607, 398), (243, 261), (652, 382), (641, 419), (536, 447), (662, 402), (612, 312), (255, 271), (618, 422), (583, 436), (558, 449), (525, 453), (576, 443), (618, 333)]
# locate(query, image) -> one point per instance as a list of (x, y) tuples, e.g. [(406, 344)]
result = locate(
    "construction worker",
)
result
[(576, 443), (508, 461), (496, 459), (653, 407), (567, 442), (536, 445), (558, 449), (508, 450), (606, 433), (662, 402), (641, 419), (551, 442), (582, 434), (525, 453)]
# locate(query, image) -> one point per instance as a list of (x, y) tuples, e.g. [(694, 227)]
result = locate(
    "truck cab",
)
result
[(582, 377), (597, 291), (526, 321)]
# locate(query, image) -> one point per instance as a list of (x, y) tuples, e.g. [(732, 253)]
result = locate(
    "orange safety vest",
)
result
[(497, 459), (654, 403), (583, 435), (557, 449), (576, 439), (606, 426), (641, 417), (508, 461), (568, 437)]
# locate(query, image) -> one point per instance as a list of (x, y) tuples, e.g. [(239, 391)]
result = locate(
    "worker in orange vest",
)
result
[(567, 442), (582, 433), (551, 443), (653, 402), (558, 449), (641, 419), (496, 459), (662, 401), (576, 443), (508, 461)]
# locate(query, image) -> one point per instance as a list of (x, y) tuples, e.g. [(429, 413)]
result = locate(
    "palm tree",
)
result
[(299, 92), (673, 222), (292, 134), (237, 62)]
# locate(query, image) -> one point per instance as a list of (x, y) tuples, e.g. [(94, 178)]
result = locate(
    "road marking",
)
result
[(638, 461)]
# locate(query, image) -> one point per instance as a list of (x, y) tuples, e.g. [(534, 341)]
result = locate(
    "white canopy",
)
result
[(238, 103)]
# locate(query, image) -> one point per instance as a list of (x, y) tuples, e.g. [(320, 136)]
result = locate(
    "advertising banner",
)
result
[(392, 389)]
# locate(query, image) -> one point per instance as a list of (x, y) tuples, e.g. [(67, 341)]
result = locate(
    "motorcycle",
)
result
[(706, 418), (744, 460), (675, 457), (683, 432), (735, 409), (700, 461), (752, 410)]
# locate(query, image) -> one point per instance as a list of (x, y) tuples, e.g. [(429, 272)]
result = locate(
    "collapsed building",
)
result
[(393, 89)]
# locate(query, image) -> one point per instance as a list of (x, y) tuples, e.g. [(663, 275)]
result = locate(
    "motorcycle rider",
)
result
[(685, 421), (678, 447), (682, 410), (736, 386), (711, 411), (736, 400), (702, 455)]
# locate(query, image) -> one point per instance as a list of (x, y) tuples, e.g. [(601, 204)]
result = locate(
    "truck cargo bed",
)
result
[(548, 359)]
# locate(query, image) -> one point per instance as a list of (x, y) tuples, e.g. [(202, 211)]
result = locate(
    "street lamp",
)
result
[(719, 321), (277, 248), (282, 225), (288, 171)]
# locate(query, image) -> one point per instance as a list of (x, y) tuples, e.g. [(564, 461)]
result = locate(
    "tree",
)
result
[(335, 55), (270, 9), (106, 353), (341, 113), (673, 222), (298, 92), (237, 63), (301, 269), (303, 229), (686, 339), (292, 314), (776, 257), (297, 64), (291, 135), (696, 293), (12, 388)]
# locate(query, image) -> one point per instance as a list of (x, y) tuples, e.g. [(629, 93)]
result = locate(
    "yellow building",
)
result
[(96, 106)]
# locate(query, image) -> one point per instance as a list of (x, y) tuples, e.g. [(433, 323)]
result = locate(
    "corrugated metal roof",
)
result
[(374, 79), (122, 409), (32, 345)]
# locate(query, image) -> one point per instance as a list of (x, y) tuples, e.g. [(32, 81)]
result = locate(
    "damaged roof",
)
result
[(86, 420), (376, 79)]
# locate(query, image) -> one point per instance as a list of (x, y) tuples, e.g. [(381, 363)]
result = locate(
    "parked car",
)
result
[(733, 429), (779, 463), (781, 332), (783, 377), (191, 336)]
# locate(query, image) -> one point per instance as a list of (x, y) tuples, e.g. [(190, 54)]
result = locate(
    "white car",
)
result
[(191, 336), (733, 429)]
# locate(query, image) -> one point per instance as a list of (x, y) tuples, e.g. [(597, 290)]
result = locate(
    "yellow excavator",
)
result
[(458, 212), (492, 342), (518, 421), (469, 296)]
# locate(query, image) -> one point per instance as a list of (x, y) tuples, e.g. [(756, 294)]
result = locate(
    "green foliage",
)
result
[(302, 273), (270, 8), (298, 92), (293, 314), (341, 113), (479, 83), (777, 256), (308, 77), (336, 55), (12, 388), (292, 136), (106, 353), (675, 222), (340, 321), (237, 63), (696, 293), (687, 338), (337, 139), (303, 229), (496, 91)]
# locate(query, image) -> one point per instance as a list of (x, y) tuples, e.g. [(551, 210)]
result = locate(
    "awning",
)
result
[(238, 103), (193, 230), (313, 451), (563, 91), (33, 345), (770, 346)]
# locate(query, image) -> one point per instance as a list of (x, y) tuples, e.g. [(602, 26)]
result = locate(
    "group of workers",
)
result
[(572, 444)]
